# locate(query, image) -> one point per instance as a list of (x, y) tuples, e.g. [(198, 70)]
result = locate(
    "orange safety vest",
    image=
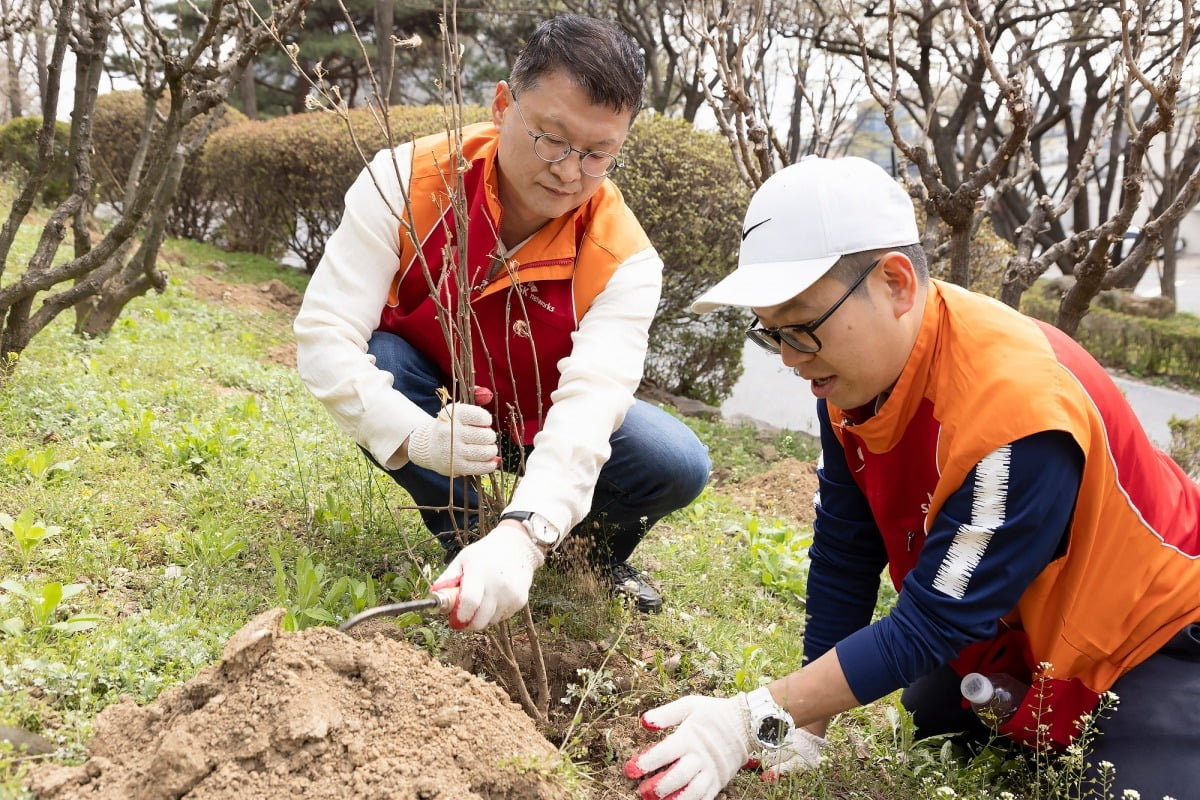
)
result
[(981, 376), (523, 312)]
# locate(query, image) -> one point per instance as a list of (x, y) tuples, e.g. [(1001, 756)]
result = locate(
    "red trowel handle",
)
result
[(439, 602)]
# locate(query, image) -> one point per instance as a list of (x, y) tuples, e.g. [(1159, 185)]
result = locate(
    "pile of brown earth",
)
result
[(315, 714), (322, 714)]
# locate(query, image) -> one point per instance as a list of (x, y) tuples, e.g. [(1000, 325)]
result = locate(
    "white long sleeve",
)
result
[(342, 307)]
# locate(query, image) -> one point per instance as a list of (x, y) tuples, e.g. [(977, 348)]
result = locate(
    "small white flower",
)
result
[(945, 791), (173, 571), (1131, 794)]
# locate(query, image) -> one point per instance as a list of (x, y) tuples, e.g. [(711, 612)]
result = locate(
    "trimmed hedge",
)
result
[(1185, 444), (18, 156), (284, 180), (117, 126), (116, 129), (1141, 346)]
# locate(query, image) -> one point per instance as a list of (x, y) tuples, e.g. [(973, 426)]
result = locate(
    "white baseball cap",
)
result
[(802, 220)]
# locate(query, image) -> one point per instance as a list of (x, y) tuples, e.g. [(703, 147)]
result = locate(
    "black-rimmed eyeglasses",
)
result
[(801, 338), (552, 148)]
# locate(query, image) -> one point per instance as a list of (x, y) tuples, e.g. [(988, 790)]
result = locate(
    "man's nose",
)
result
[(792, 357), (569, 170)]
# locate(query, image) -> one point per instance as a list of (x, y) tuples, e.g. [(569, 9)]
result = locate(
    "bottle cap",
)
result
[(977, 688)]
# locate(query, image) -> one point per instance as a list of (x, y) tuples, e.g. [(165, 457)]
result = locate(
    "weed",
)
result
[(42, 604), (311, 597), (195, 446), (779, 556), (139, 422), (333, 514), (37, 465), (750, 664), (301, 593), (211, 545), (28, 533), (597, 684)]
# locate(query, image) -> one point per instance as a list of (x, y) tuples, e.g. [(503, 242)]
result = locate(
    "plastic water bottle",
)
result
[(995, 697)]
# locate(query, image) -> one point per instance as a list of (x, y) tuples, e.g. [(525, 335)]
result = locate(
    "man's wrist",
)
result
[(539, 529)]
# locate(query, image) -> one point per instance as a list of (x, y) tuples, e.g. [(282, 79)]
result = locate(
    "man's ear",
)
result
[(500, 102), (900, 277)]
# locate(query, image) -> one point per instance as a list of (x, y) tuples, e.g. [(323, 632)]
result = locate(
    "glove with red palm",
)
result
[(711, 742)]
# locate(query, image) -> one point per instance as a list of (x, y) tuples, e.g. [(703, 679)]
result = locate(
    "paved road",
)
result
[(768, 392)]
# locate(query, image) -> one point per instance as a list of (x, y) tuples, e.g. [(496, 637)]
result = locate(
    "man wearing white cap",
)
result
[(993, 468)]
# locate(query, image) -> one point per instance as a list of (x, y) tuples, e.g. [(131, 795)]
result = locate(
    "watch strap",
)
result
[(540, 530)]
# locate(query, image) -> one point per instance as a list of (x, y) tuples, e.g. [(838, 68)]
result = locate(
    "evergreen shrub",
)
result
[(284, 180), (684, 187), (18, 156), (118, 126), (1185, 444), (1141, 346), (116, 130)]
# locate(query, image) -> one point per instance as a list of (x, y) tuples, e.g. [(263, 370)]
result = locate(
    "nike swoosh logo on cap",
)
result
[(746, 232)]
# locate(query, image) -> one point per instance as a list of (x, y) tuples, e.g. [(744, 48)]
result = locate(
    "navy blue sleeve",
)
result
[(994, 535), (847, 553)]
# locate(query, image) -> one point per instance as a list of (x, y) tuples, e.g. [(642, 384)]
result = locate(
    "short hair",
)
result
[(847, 268), (599, 57)]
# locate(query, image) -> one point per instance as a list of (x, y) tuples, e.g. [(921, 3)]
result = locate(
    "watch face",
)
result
[(541, 531), (772, 731)]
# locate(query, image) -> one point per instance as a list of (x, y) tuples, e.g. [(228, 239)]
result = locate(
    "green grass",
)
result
[(193, 484)]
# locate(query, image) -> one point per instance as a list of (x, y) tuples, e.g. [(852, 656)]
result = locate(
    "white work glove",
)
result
[(713, 740), (493, 577), (458, 441)]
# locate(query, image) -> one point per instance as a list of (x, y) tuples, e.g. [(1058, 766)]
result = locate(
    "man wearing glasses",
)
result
[(561, 283), (994, 470)]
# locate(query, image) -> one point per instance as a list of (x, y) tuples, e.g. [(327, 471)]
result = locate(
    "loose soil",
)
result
[(322, 714), (785, 491), (272, 295), (315, 714)]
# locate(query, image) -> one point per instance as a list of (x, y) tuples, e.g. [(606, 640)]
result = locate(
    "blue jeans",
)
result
[(657, 466)]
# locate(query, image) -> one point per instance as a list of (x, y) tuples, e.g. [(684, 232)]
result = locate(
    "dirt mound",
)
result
[(272, 295), (314, 714), (785, 491)]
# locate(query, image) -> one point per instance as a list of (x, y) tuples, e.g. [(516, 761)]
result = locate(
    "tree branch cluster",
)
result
[(1059, 123), (186, 67)]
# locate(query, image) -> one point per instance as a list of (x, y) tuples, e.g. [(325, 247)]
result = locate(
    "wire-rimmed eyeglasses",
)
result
[(801, 338), (552, 148)]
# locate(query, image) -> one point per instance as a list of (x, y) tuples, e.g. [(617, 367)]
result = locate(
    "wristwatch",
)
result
[(543, 534), (770, 724)]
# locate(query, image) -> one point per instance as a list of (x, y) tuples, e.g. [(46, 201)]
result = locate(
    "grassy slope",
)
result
[(173, 458)]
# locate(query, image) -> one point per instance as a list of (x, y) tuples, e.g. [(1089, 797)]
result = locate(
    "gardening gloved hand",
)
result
[(493, 577), (712, 741), (458, 441)]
